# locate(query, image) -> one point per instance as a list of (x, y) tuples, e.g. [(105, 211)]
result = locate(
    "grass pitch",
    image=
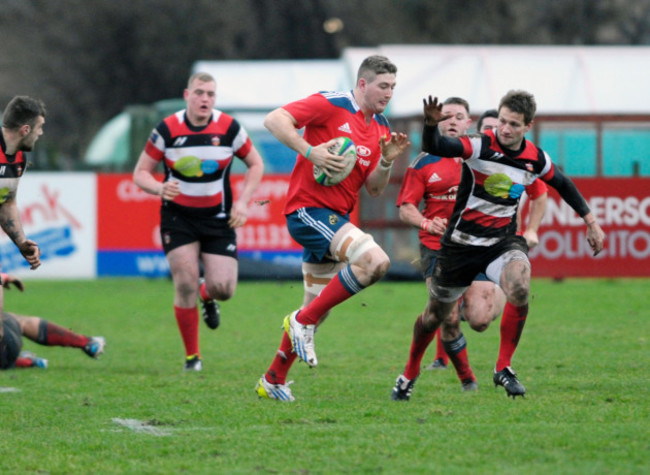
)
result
[(583, 359)]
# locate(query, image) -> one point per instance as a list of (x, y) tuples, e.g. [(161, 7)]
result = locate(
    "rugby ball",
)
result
[(346, 149)]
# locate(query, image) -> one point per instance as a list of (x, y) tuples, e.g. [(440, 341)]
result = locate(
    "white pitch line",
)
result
[(5, 389), (141, 427)]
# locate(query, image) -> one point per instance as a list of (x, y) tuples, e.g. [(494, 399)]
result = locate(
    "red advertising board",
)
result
[(128, 218), (622, 208), (266, 228)]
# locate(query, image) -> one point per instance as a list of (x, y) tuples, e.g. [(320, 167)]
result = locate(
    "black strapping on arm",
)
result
[(436, 144), (569, 193)]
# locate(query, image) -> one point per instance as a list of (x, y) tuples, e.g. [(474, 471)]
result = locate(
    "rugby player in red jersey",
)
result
[(339, 259), (435, 181), (481, 235), (198, 215)]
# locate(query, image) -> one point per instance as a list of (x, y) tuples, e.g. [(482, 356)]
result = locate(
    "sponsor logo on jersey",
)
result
[(345, 128), (4, 195), (180, 141), (451, 194), (363, 151), (189, 166), (216, 141), (502, 186), (210, 166), (434, 178)]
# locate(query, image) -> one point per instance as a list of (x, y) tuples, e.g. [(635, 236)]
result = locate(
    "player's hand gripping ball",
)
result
[(346, 149)]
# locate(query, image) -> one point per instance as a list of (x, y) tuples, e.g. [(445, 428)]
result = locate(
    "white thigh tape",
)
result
[(495, 268), (353, 244)]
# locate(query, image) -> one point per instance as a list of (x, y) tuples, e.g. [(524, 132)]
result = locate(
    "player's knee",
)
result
[(478, 319), (381, 267), (449, 332), (360, 250), (375, 268), (221, 290), (226, 292), (185, 287), (371, 266), (428, 322), (433, 316), (479, 326), (354, 246), (519, 291)]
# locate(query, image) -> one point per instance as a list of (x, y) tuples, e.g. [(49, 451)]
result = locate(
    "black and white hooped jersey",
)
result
[(200, 159), (492, 182)]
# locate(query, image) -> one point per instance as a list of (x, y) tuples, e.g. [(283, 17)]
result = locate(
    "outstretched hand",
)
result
[(433, 111), (393, 146), (8, 279)]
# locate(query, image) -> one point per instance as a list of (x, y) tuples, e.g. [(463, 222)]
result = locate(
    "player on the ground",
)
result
[(40, 331), (22, 125), (339, 259), (481, 233)]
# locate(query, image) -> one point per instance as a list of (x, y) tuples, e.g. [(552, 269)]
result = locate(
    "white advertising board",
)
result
[(58, 211)]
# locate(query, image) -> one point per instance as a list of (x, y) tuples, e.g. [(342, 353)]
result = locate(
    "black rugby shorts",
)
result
[(214, 235)]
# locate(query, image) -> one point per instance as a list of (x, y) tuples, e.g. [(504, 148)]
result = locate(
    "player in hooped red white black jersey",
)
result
[(481, 233), (22, 125), (434, 180), (339, 259), (199, 214)]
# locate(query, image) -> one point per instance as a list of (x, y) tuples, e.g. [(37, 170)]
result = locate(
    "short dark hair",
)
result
[(22, 110), (374, 65), (488, 113), (521, 102), (458, 101)]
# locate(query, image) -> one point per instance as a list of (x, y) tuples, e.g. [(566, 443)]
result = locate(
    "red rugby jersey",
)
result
[(325, 116), (434, 180)]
